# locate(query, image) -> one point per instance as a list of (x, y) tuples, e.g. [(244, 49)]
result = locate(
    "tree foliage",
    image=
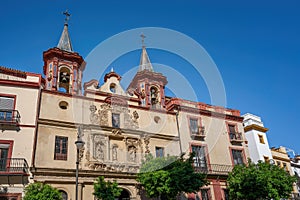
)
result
[(39, 191), (106, 190), (259, 181), (166, 177)]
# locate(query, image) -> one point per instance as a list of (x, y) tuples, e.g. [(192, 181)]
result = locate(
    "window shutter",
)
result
[(6, 103)]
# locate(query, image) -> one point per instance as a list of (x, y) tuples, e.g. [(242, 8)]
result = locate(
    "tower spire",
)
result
[(65, 41), (145, 63)]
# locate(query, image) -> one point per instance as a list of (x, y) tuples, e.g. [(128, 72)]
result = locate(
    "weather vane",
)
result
[(67, 14), (143, 39)]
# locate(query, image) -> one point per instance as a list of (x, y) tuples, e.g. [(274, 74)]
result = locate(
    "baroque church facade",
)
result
[(120, 127)]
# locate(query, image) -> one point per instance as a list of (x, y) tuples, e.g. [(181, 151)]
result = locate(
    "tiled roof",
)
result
[(12, 72)]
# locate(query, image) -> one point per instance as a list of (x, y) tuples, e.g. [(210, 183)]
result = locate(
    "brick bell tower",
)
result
[(63, 67), (150, 85)]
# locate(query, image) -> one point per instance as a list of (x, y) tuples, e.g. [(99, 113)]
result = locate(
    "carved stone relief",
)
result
[(93, 116), (103, 114), (116, 132), (132, 154), (147, 141), (99, 147), (102, 118), (132, 145), (81, 152)]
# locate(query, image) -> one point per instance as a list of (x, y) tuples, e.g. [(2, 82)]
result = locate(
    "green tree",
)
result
[(166, 177), (106, 190), (259, 181), (39, 191)]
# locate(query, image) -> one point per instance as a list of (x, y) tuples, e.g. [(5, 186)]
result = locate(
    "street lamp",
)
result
[(176, 110), (79, 144)]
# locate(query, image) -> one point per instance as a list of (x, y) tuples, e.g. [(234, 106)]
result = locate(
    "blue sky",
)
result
[(255, 45)]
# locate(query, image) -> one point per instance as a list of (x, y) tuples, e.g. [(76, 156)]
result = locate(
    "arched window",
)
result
[(112, 88), (64, 79), (153, 96), (125, 195), (64, 195)]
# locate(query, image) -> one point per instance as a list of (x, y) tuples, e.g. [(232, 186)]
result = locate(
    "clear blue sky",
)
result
[(255, 45)]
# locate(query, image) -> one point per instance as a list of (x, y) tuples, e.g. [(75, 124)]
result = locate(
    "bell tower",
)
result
[(149, 84), (62, 66)]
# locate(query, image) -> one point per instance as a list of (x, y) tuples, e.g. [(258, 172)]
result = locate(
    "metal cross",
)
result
[(67, 14), (143, 39)]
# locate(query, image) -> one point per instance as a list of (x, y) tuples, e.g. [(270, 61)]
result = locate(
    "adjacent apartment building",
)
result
[(19, 102)]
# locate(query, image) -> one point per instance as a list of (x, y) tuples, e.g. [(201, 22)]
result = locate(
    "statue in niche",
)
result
[(132, 153), (99, 153), (115, 152)]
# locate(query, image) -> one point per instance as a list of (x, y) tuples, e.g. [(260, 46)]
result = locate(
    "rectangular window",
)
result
[(61, 148), (115, 120), (194, 127), (200, 157), (261, 139), (6, 108), (232, 131), (5, 154), (204, 194), (159, 152), (237, 157)]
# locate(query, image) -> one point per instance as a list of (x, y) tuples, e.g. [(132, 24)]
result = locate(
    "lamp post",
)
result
[(176, 110), (79, 144)]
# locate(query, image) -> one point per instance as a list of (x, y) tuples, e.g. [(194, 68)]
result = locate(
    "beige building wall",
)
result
[(146, 130), (24, 88)]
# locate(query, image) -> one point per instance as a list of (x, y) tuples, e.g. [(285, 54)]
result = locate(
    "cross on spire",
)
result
[(143, 39), (67, 14), (64, 41)]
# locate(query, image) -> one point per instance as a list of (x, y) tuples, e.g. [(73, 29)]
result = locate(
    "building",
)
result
[(118, 127), (295, 166), (256, 135), (282, 159), (19, 101)]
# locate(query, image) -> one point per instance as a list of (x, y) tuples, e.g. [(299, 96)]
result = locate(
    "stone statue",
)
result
[(115, 152), (132, 154), (99, 151)]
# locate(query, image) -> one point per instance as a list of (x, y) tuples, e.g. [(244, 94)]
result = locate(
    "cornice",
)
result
[(255, 127)]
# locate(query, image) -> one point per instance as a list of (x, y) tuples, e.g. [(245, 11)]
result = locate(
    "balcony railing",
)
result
[(236, 137), (199, 134), (13, 166), (9, 116), (215, 169)]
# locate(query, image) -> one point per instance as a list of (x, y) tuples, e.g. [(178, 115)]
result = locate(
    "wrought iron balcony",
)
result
[(9, 116), (13, 166), (9, 119), (14, 171), (199, 134), (215, 169), (236, 137)]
